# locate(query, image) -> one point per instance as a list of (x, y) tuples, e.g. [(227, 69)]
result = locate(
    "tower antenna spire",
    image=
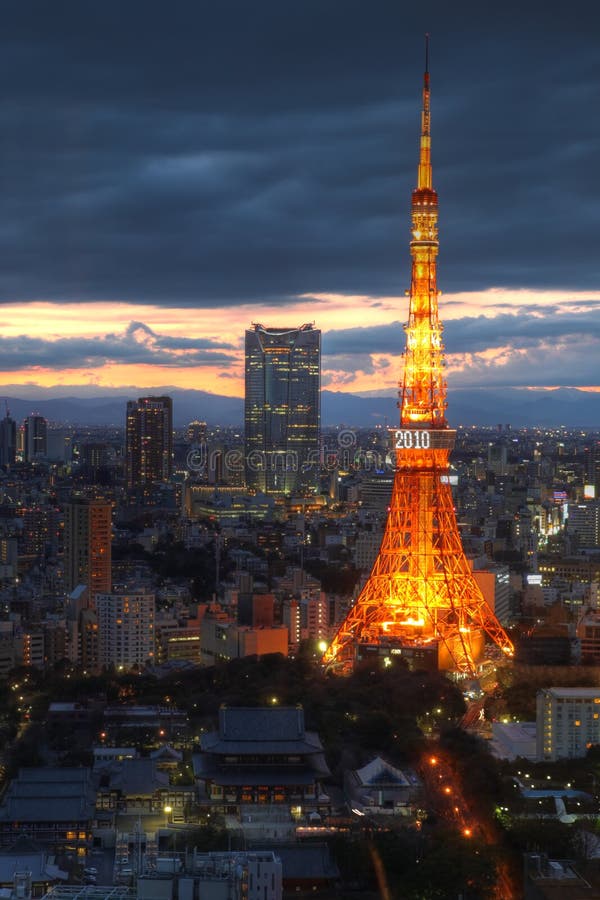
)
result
[(424, 175)]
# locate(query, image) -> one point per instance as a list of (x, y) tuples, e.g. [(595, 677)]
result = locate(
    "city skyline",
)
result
[(182, 188)]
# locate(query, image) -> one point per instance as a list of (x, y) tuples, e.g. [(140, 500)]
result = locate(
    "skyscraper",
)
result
[(88, 534), (34, 438), (149, 441), (282, 408), (421, 600), (8, 440)]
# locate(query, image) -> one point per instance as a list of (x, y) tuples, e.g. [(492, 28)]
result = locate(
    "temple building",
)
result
[(261, 756)]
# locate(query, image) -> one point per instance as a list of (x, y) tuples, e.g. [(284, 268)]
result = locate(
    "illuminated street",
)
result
[(446, 802)]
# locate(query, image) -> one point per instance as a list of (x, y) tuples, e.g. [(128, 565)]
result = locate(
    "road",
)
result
[(473, 714), (446, 798)]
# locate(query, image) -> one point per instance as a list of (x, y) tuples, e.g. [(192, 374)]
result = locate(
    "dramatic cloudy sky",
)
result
[(172, 171)]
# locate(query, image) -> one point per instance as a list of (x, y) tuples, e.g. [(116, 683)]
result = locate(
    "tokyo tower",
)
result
[(421, 600)]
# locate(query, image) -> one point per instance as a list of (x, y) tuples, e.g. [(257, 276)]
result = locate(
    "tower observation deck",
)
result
[(421, 600)]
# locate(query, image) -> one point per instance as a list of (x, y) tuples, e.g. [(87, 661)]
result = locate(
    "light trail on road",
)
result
[(446, 795)]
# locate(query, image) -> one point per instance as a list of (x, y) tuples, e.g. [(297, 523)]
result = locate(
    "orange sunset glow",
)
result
[(121, 346)]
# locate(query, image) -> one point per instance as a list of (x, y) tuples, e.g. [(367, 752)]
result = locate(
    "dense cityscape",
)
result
[(270, 657), (126, 716)]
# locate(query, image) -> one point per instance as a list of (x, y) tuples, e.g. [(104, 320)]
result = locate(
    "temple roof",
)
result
[(379, 772), (49, 794), (261, 730)]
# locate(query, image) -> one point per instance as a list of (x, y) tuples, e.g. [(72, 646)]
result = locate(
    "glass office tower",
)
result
[(282, 409)]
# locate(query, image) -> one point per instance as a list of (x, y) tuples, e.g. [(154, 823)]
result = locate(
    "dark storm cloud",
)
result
[(476, 334), (137, 344), (376, 339), (470, 334), (200, 153)]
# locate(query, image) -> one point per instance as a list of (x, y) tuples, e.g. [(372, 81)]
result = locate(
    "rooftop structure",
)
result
[(512, 740), (90, 892)]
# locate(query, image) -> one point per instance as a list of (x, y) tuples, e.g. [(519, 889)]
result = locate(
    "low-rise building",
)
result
[(308, 867), (138, 787), (514, 740), (588, 632), (223, 639), (380, 787), (104, 756), (26, 871), (51, 805), (235, 875), (152, 725)]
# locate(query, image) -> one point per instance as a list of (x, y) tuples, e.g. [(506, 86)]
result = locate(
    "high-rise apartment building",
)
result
[(34, 438), (88, 532), (593, 467), (282, 408), (584, 523), (8, 440), (125, 629), (149, 441)]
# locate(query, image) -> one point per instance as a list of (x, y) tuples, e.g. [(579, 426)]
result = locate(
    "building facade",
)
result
[(88, 537), (584, 523), (222, 639), (125, 629), (8, 440), (588, 632), (34, 438), (149, 441), (494, 583), (568, 722), (282, 411), (51, 805)]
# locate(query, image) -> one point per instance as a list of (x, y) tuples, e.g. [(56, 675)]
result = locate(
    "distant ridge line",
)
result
[(520, 408)]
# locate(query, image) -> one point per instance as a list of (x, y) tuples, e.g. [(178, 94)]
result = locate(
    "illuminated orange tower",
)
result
[(421, 599)]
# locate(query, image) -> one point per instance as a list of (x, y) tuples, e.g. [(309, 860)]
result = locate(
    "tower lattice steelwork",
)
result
[(421, 598)]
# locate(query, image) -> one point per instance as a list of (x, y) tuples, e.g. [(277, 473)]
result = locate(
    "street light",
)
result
[(167, 811)]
